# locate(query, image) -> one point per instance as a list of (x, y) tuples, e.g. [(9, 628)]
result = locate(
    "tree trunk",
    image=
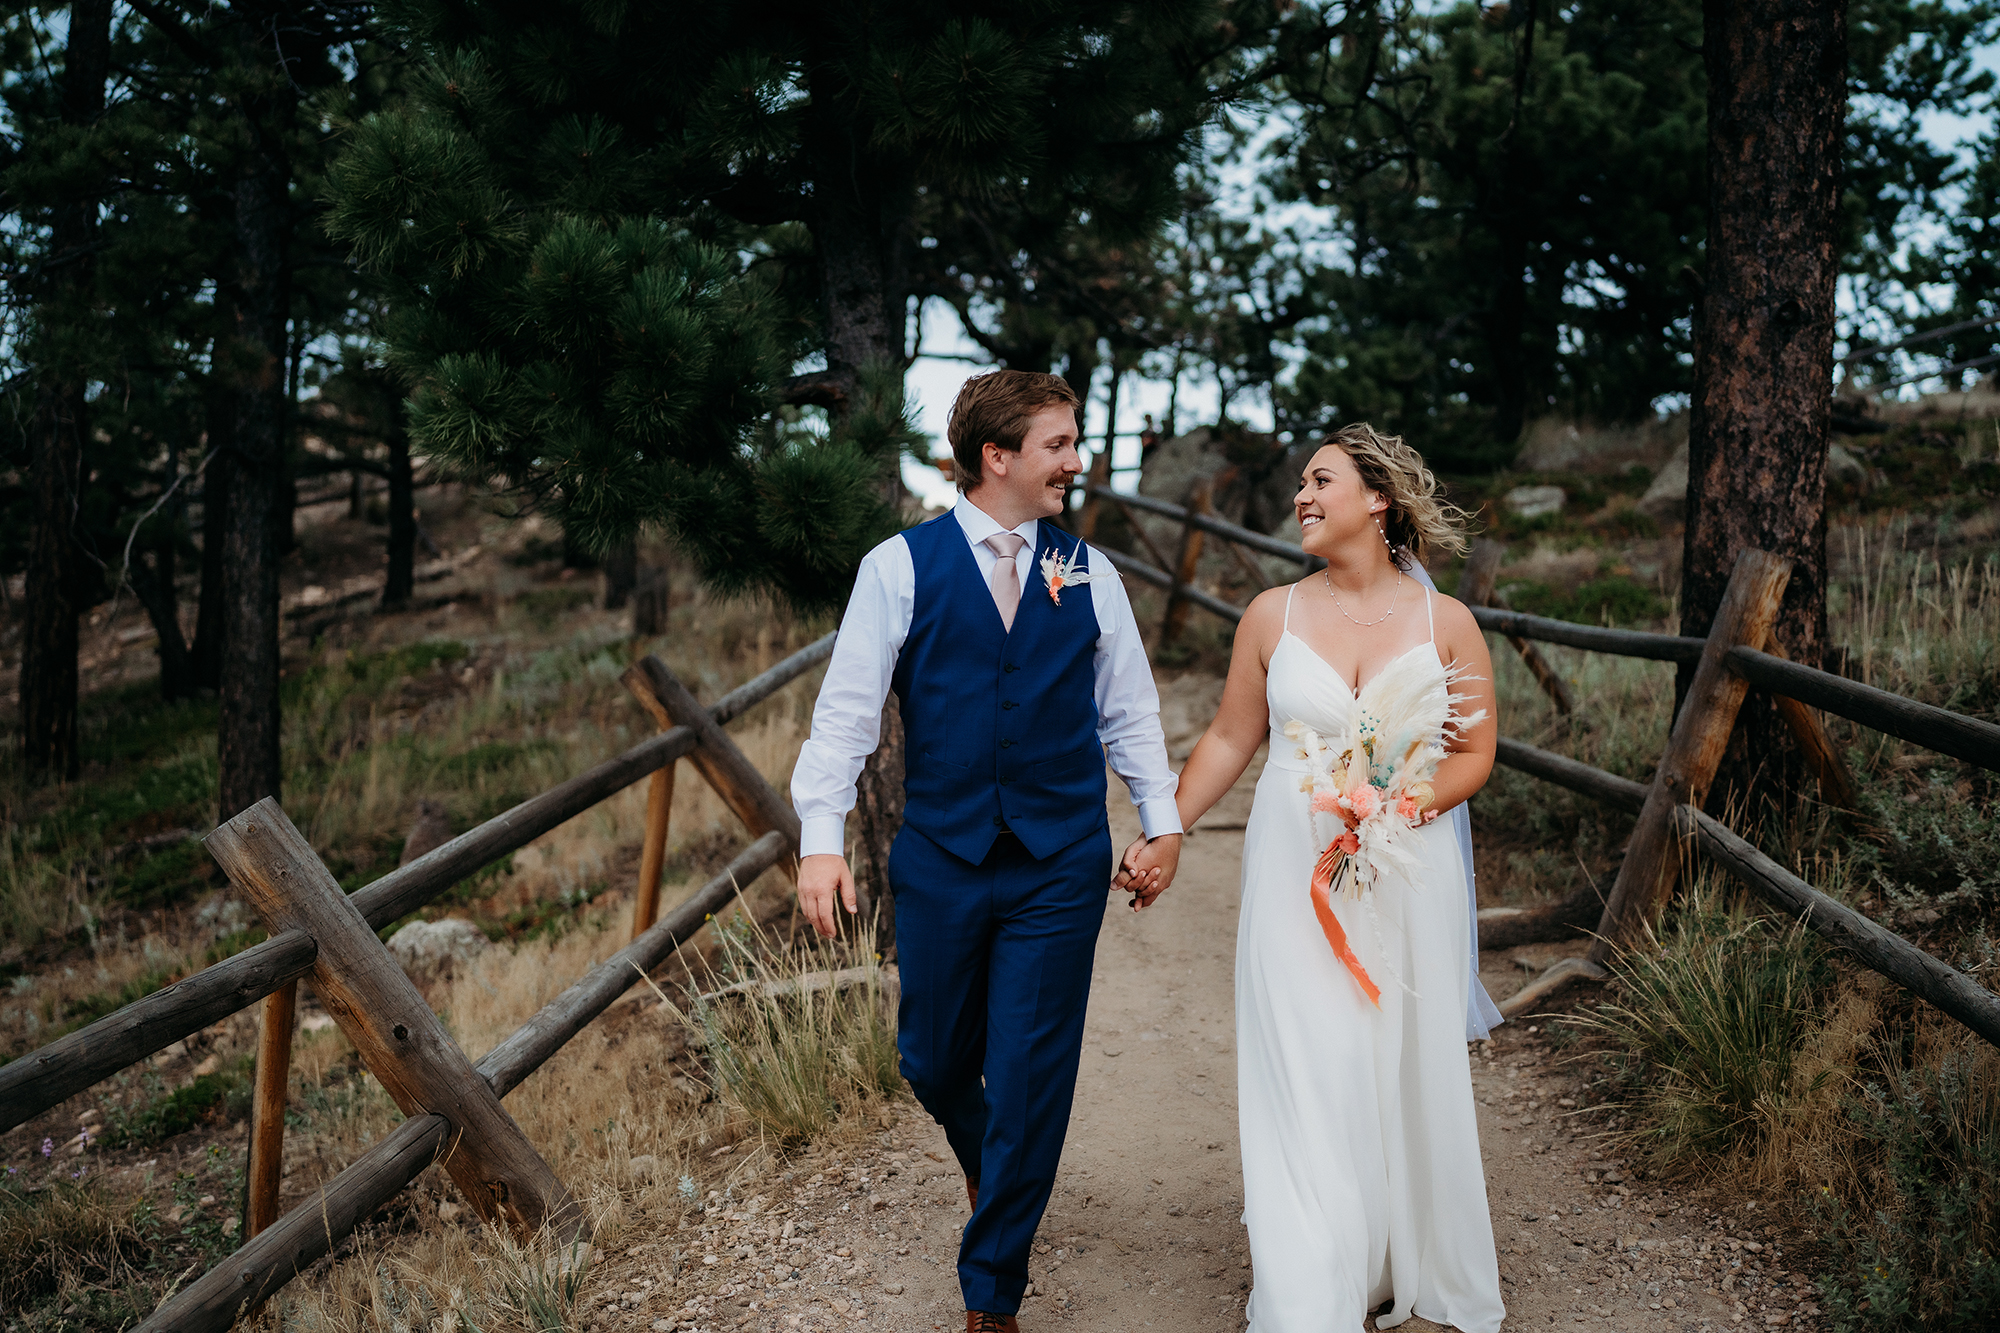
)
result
[(401, 582), (860, 225), (878, 815), (621, 574), (650, 602), (58, 573), (48, 682), (1758, 428), (249, 750), (1506, 323), (206, 655), (152, 576)]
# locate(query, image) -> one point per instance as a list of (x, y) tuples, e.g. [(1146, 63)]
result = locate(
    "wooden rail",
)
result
[(66, 1066), (1942, 985), (308, 1233), (1213, 525), (405, 1046), (1934, 728), (1594, 638), (1736, 655), (1577, 776)]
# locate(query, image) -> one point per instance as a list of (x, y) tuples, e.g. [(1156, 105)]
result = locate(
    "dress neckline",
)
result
[(1351, 691)]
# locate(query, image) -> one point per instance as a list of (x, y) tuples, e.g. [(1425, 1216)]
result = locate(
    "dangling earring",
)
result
[(1385, 536)]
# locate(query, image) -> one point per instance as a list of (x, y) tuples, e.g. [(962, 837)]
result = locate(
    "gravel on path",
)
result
[(1144, 1229)]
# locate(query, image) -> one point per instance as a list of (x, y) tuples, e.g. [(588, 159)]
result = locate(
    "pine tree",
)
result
[(1521, 191), (612, 233), (65, 176)]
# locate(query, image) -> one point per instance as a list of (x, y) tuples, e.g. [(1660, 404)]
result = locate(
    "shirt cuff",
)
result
[(823, 835), (1159, 817)]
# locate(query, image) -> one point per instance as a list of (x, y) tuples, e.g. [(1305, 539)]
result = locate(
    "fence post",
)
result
[(727, 769), (267, 1107), (1189, 564), (659, 810), (401, 1041), (1477, 587), (1694, 750), (1836, 785)]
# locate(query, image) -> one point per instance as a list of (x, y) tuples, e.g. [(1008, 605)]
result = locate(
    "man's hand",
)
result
[(822, 879), (1148, 867)]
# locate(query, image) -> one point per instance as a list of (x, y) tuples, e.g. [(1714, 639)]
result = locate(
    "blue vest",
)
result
[(1000, 726)]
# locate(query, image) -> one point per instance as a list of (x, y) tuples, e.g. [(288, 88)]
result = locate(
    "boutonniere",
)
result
[(1059, 573)]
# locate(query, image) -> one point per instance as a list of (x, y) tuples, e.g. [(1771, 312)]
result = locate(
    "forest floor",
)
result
[(859, 1230)]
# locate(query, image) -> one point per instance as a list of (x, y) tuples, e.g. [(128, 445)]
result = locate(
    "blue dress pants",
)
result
[(995, 961)]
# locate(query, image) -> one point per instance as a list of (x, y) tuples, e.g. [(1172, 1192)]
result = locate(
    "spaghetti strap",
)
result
[(1432, 613), (1288, 607)]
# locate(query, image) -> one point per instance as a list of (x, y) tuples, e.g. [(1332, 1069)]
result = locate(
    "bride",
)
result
[(1361, 1170)]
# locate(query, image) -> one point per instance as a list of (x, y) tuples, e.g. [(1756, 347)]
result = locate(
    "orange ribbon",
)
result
[(1322, 885)]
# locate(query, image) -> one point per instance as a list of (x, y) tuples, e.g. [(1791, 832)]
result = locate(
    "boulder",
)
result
[(1252, 473), (1536, 501), (429, 951), (1665, 501)]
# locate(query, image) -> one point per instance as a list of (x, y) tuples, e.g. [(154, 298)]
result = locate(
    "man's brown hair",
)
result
[(994, 408)]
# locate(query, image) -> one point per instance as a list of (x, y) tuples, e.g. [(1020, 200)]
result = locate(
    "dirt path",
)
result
[(1143, 1229)]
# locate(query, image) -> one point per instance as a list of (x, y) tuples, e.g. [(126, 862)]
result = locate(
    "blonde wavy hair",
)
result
[(1419, 522)]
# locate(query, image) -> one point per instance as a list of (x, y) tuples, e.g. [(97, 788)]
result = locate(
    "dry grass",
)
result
[(1711, 1015), (503, 691), (794, 1044)]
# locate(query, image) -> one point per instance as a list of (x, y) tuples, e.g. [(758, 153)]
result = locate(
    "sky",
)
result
[(934, 378)]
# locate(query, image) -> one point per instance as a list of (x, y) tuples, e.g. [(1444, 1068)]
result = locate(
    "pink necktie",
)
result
[(1006, 578)]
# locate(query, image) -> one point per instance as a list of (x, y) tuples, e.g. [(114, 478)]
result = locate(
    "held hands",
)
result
[(822, 879), (1147, 868)]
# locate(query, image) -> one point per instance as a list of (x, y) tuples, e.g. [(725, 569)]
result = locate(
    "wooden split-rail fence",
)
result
[(453, 1108), (1738, 655)]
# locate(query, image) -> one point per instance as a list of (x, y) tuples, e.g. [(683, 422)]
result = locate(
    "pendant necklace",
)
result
[(1365, 624)]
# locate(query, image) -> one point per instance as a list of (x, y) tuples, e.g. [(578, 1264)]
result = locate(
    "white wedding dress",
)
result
[(1361, 1170)]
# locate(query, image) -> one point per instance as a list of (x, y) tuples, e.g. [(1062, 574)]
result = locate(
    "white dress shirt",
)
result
[(847, 719)]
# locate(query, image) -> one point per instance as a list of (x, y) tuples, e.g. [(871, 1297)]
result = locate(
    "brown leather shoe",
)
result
[(972, 1193), (985, 1321)]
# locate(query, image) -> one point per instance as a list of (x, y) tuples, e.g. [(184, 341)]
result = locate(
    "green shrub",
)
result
[(1613, 598), (210, 1098), (1924, 1253), (1709, 1020), (545, 606), (1940, 850)]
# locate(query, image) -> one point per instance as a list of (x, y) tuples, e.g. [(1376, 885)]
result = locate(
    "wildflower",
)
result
[(1326, 802), (1364, 800), (1406, 808), (688, 1190), (48, 1147)]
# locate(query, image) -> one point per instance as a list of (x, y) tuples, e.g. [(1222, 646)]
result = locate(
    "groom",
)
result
[(1013, 693)]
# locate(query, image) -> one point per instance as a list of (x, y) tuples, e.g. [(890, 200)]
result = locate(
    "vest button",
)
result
[(1008, 703), (1010, 667), (1006, 782), (999, 822), (1005, 744)]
